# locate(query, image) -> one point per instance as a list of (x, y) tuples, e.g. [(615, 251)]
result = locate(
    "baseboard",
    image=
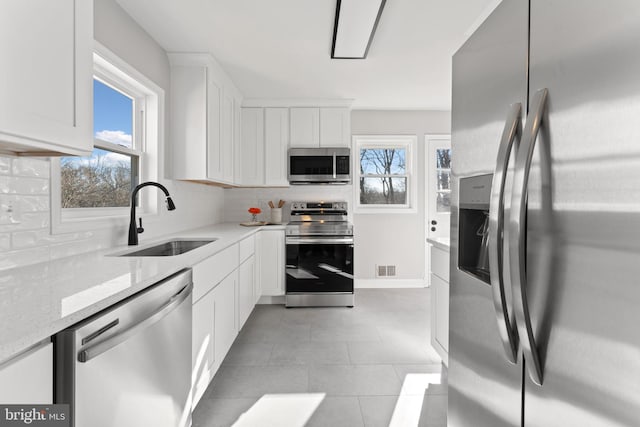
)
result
[(390, 283), (271, 300)]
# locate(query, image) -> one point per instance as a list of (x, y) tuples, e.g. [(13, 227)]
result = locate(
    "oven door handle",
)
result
[(319, 241)]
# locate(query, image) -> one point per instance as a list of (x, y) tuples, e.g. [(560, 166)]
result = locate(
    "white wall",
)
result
[(26, 182), (395, 239)]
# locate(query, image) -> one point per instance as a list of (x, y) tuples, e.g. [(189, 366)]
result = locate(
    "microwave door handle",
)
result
[(509, 142), (517, 231), (334, 165)]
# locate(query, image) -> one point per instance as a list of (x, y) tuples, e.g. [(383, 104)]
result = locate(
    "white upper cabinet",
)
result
[(320, 127), (276, 139), (252, 147), (335, 127), (305, 127), (47, 68), (265, 138), (204, 113)]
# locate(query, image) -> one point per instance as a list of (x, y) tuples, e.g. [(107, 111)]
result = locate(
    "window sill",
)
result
[(380, 210), (75, 223)]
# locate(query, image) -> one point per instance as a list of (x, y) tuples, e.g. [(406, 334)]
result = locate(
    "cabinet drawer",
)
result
[(440, 263), (247, 247), (208, 273)]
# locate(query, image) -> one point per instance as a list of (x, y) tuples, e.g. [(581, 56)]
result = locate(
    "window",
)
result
[(384, 173), (95, 191), (107, 177)]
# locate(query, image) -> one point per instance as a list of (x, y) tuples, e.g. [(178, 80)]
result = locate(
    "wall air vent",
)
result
[(385, 270)]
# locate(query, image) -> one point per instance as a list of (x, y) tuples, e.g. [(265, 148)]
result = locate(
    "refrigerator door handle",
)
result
[(517, 231), (506, 324)]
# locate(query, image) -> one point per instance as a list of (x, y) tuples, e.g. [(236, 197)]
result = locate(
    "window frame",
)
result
[(406, 142), (147, 144)]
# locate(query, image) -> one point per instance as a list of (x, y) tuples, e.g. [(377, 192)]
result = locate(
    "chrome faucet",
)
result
[(133, 230)]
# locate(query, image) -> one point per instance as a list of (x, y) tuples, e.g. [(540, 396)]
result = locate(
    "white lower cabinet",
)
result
[(28, 378), (271, 260), (202, 356), (225, 319), (440, 302), (246, 289), (224, 297)]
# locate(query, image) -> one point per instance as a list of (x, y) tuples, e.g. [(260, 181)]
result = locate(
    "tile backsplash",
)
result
[(25, 215)]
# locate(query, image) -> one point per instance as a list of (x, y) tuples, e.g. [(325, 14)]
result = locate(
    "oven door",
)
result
[(319, 264)]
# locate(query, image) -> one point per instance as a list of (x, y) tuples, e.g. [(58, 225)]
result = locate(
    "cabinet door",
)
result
[(304, 130), (47, 67), (237, 140), (227, 136), (252, 150), (225, 318), (246, 274), (276, 129), (335, 127), (440, 310), (202, 356), (214, 145), (190, 118), (271, 253), (28, 378)]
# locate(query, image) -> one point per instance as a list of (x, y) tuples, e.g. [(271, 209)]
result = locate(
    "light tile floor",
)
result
[(371, 365)]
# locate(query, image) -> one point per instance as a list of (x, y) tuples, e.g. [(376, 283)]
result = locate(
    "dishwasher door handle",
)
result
[(166, 308)]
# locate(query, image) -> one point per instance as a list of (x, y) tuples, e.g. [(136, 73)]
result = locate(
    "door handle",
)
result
[(99, 348), (507, 328), (517, 232)]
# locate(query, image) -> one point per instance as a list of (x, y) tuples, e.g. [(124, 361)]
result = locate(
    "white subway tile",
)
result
[(28, 221), (34, 203), (5, 242), (29, 239), (6, 185), (22, 185), (25, 166), (21, 258), (5, 166)]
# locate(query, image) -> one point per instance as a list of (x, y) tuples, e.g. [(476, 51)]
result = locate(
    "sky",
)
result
[(112, 122), (112, 114)]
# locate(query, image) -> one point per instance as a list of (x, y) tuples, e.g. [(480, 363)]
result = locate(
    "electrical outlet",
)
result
[(9, 210)]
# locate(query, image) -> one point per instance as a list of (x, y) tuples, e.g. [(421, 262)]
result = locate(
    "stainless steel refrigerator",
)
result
[(546, 150)]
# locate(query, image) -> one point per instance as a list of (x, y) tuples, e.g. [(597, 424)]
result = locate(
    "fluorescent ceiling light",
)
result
[(355, 24)]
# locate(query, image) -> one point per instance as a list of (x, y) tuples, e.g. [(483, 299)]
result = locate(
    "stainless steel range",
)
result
[(319, 266)]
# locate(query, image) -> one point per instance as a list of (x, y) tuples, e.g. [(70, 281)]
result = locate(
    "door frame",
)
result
[(428, 138)]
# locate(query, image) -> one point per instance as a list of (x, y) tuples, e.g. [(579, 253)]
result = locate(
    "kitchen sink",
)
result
[(171, 248)]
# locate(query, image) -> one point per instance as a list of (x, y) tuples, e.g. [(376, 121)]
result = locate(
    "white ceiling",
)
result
[(281, 48)]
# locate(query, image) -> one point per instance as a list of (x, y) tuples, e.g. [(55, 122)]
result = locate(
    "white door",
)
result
[(438, 188)]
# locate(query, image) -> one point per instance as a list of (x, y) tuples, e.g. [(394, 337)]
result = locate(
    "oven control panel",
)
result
[(325, 206)]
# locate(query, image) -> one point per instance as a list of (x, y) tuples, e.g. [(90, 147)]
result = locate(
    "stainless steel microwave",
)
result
[(319, 166)]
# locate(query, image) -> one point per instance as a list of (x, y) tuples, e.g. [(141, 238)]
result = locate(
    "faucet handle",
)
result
[(140, 229)]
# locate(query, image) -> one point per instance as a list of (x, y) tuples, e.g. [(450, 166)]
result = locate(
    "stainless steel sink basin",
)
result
[(171, 247)]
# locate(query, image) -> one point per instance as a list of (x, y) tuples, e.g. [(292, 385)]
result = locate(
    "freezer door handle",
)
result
[(506, 323), (166, 308), (517, 232)]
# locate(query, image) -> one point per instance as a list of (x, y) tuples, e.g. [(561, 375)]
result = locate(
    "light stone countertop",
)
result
[(443, 243), (39, 300)]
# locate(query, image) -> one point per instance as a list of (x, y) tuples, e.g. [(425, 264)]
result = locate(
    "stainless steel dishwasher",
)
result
[(130, 365)]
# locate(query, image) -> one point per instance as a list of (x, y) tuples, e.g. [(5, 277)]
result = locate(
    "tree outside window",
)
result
[(383, 176), (106, 178)]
